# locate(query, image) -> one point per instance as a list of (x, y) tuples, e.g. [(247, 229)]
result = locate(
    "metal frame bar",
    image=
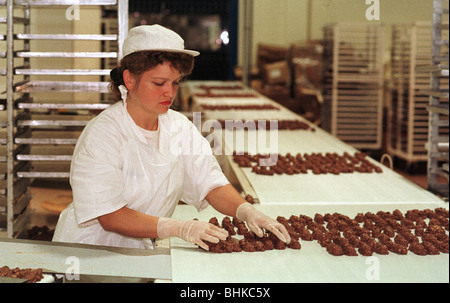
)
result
[(122, 15), (9, 119), (59, 2), (436, 108), (248, 41)]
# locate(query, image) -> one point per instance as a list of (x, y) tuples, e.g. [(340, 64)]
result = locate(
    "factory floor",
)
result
[(47, 195)]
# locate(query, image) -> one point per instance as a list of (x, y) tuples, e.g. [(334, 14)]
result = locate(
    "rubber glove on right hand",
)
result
[(257, 220), (191, 231)]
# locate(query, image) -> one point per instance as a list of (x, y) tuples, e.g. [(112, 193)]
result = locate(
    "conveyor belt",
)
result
[(310, 264), (387, 187), (93, 260), (285, 195)]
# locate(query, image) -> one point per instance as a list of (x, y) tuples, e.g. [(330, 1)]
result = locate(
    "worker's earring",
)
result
[(123, 92), (128, 82)]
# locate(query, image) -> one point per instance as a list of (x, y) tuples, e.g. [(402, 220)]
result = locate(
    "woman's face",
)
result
[(153, 94)]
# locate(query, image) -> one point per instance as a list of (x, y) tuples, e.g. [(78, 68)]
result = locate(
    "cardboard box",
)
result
[(309, 49), (271, 53), (275, 92), (309, 103), (276, 73), (254, 72), (307, 73)]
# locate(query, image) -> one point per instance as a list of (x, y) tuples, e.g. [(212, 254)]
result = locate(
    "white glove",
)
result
[(257, 220), (191, 231)]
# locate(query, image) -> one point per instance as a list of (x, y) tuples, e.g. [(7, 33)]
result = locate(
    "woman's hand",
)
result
[(191, 231), (257, 220)]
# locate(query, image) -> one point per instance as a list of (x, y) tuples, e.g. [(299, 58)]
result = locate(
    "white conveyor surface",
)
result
[(310, 264), (93, 260), (385, 187)]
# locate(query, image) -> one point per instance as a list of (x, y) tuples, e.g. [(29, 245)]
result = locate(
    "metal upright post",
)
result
[(9, 119), (248, 42), (122, 15)]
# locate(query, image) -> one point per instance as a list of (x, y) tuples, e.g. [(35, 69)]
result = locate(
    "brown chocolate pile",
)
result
[(250, 199), (422, 232), (240, 107), (379, 233), (209, 94), (228, 95), (250, 242), (255, 124), (222, 87), (43, 233), (32, 275), (330, 163)]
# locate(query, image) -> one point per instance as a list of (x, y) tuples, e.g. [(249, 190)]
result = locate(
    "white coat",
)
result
[(113, 166)]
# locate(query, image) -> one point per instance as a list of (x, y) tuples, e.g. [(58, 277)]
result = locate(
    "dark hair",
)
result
[(140, 62)]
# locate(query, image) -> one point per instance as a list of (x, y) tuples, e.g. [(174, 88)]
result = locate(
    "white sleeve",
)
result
[(202, 172), (96, 174)]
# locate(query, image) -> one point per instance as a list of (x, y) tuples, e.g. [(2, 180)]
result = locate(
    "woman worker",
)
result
[(136, 160)]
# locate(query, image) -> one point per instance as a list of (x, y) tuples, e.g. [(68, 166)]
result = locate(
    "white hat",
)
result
[(154, 38)]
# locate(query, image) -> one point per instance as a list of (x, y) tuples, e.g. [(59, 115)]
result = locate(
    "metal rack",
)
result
[(407, 115), (46, 109), (353, 90), (14, 194), (438, 140)]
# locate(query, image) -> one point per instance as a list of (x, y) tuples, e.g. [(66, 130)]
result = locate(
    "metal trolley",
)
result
[(46, 108), (438, 142)]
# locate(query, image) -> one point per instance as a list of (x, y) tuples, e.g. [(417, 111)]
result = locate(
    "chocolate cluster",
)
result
[(209, 94), (222, 87), (422, 232), (249, 242), (43, 233), (228, 95), (240, 107), (249, 199), (32, 275), (254, 125), (317, 163)]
